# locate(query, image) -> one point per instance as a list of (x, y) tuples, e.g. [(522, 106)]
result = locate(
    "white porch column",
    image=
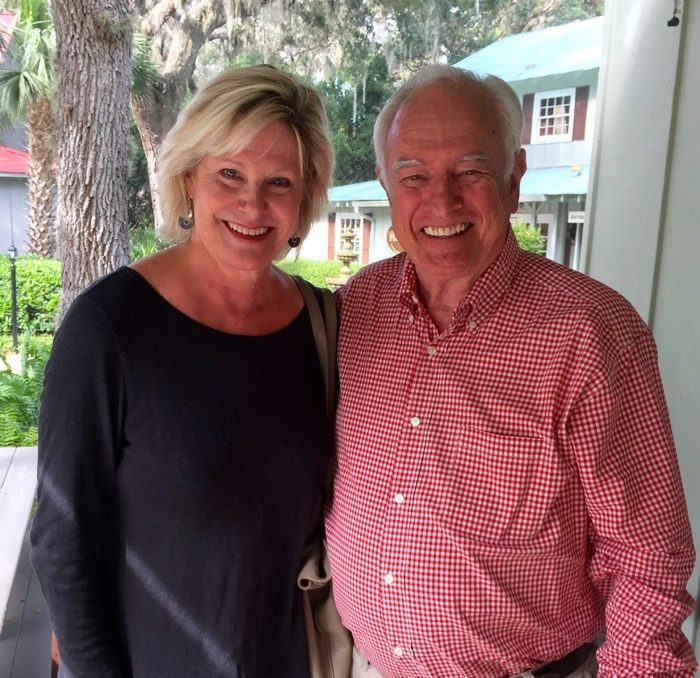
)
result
[(643, 232)]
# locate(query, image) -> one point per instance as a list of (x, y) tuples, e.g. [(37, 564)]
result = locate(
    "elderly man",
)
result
[(507, 496)]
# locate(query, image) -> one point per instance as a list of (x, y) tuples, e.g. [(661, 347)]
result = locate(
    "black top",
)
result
[(179, 467)]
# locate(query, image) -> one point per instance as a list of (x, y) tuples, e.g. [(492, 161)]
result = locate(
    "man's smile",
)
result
[(445, 231)]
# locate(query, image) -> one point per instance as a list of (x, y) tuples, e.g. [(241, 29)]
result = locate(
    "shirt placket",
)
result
[(413, 444)]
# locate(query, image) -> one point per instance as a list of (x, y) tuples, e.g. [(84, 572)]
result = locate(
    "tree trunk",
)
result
[(93, 50), (154, 117), (41, 189)]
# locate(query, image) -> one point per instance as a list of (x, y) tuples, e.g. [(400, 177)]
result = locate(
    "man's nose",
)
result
[(445, 195)]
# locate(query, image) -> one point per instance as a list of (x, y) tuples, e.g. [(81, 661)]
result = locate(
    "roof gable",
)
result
[(552, 51)]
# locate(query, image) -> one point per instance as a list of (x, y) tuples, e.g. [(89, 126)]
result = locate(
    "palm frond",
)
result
[(145, 78), (30, 50)]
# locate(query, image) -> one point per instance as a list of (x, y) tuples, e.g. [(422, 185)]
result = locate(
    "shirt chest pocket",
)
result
[(501, 489)]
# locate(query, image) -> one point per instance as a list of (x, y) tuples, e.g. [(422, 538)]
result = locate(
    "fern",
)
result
[(20, 393)]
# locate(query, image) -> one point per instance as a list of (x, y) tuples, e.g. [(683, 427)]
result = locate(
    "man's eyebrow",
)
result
[(475, 157), (401, 163)]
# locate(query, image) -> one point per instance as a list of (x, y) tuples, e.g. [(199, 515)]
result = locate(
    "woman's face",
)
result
[(246, 205)]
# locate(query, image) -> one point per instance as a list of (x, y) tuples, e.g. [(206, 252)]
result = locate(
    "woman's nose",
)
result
[(252, 199)]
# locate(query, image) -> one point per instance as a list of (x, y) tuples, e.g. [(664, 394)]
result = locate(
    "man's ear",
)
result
[(380, 177), (519, 167)]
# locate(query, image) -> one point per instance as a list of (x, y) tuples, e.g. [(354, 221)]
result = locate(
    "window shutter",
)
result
[(528, 101), (365, 241), (580, 110)]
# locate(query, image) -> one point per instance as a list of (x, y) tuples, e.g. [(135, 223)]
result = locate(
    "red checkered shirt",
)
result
[(505, 488)]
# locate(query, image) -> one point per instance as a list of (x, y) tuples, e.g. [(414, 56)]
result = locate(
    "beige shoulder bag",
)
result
[(330, 643)]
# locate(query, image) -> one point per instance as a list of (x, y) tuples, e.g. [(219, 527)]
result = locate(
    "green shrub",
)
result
[(529, 237), (315, 272), (144, 241), (38, 291), (19, 393)]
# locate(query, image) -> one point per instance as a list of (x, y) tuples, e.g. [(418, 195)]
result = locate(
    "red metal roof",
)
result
[(13, 161), (7, 21)]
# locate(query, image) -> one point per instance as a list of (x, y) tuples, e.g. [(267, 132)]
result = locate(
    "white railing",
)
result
[(17, 490)]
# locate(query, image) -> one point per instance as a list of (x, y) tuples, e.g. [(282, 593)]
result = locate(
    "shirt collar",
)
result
[(481, 299)]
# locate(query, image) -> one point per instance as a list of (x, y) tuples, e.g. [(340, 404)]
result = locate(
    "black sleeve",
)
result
[(80, 432)]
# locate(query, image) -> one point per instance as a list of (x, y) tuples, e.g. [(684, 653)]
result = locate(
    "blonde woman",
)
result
[(183, 438)]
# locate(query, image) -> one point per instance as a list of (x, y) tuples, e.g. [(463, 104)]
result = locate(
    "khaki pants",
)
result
[(361, 668)]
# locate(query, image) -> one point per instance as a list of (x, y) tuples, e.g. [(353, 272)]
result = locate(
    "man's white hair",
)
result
[(502, 94)]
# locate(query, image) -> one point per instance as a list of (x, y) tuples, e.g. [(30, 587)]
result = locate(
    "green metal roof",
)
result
[(570, 180), (366, 191), (536, 184), (551, 51)]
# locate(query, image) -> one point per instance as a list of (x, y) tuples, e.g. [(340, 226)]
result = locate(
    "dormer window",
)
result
[(553, 118)]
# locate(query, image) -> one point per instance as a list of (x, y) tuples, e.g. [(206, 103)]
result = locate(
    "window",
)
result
[(553, 118)]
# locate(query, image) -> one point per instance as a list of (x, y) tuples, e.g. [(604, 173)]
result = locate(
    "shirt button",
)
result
[(472, 324), (388, 578), (410, 319), (398, 498), (415, 421), (432, 350), (398, 651)]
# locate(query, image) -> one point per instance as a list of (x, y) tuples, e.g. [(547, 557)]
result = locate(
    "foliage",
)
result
[(144, 241), (38, 289), (39, 281), (145, 78), (26, 92), (351, 115), (529, 237), (315, 272), (31, 50), (444, 31), (356, 51), (20, 392)]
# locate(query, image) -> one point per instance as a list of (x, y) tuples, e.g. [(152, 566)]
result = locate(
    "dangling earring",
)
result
[(186, 223), (294, 241)]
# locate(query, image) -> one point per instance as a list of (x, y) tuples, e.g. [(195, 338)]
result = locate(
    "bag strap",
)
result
[(325, 330)]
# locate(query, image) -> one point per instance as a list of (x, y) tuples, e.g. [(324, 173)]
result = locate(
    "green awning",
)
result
[(537, 185)]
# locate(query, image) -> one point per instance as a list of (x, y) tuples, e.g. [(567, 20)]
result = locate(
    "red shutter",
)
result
[(331, 236), (580, 110), (365, 241), (528, 102)]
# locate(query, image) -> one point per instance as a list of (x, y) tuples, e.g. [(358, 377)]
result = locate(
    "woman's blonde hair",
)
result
[(224, 115)]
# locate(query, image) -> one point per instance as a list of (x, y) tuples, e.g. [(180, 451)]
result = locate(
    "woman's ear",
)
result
[(188, 183)]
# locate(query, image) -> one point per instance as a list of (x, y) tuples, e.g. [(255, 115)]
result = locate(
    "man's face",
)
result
[(445, 178)]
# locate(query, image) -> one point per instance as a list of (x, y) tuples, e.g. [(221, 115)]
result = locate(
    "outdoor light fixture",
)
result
[(12, 253)]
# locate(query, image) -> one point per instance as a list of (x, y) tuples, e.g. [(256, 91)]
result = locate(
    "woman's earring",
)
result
[(186, 223), (294, 241)]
